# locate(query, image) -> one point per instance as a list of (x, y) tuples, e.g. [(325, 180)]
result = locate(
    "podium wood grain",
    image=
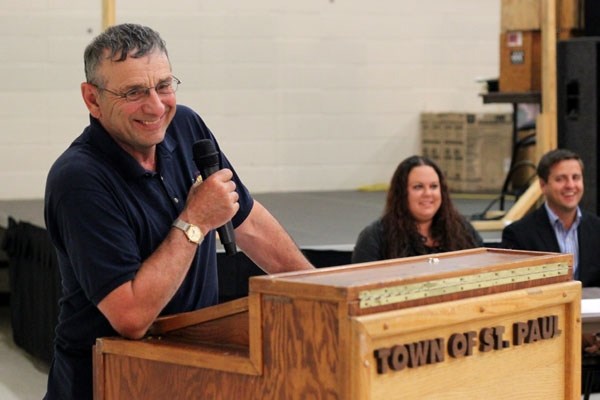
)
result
[(308, 335)]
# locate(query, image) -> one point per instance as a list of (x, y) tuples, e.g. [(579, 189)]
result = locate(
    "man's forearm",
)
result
[(268, 245)]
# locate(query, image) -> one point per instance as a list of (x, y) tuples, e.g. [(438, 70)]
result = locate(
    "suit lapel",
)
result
[(583, 236), (545, 231)]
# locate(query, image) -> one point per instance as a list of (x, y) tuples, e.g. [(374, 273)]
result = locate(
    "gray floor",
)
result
[(22, 377)]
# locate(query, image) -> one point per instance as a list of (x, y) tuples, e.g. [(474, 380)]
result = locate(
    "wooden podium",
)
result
[(473, 324)]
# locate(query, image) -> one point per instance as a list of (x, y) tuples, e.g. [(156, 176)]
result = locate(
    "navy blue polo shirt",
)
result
[(105, 215)]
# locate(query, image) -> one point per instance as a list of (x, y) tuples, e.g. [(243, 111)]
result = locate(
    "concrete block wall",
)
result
[(302, 94)]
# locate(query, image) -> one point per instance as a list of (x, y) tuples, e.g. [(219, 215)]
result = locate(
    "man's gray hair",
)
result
[(121, 41)]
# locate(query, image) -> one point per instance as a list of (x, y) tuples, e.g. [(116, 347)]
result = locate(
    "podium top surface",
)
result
[(417, 268), (458, 274)]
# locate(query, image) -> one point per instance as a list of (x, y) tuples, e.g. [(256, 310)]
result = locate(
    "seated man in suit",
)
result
[(559, 225)]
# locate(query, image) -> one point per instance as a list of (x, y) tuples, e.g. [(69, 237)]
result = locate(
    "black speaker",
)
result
[(591, 18), (578, 108)]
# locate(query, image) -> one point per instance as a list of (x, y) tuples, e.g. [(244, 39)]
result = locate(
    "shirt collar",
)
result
[(554, 218), (123, 161)]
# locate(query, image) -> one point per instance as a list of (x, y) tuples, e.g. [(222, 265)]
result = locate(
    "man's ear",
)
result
[(89, 93)]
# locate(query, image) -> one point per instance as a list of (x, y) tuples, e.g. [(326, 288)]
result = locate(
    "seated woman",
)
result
[(419, 217)]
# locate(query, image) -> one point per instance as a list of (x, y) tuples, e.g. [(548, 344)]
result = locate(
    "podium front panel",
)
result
[(515, 345)]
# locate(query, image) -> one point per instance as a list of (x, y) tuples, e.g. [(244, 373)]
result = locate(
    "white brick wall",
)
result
[(303, 94)]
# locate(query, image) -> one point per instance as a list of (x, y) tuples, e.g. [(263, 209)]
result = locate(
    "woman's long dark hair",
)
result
[(402, 238)]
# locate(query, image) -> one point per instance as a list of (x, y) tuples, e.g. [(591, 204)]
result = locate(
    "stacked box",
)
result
[(520, 40), (523, 15), (519, 15), (520, 61), (435, 131), (431, 142), (473, 150)]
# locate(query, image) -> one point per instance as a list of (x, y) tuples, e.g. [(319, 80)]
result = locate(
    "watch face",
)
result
[(194, 234)]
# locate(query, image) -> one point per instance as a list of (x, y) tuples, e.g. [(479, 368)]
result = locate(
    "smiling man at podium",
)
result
[(132, 225)]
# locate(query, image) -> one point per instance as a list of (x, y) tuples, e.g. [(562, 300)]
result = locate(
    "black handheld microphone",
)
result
[(206, 158)]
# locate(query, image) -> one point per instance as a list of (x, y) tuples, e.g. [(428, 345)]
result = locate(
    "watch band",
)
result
[(192, 232)]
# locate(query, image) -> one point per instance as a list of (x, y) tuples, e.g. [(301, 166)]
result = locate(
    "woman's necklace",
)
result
[(428, 241)]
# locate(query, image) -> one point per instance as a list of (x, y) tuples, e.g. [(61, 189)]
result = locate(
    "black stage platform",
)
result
[(323, 224)]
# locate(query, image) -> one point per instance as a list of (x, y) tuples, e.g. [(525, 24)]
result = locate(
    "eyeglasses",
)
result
[(163, 88)]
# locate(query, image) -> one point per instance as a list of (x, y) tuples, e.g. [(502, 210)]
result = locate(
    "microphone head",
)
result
[(205, 154)]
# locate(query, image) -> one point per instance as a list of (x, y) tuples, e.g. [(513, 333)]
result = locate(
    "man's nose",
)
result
[(153, 100)]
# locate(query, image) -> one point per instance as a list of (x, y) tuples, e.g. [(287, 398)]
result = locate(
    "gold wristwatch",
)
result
[(193, 233)]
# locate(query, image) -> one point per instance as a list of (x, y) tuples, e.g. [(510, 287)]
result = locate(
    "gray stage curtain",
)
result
[(34, 282)]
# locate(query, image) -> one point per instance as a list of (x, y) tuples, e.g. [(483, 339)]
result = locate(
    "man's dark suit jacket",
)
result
[(534, 232)]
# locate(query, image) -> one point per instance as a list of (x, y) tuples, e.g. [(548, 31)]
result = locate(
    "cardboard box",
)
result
[(431, 140), (569, 14), (437, 130), (520, 61), (475, 149), (518, 15), (522, 15)]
